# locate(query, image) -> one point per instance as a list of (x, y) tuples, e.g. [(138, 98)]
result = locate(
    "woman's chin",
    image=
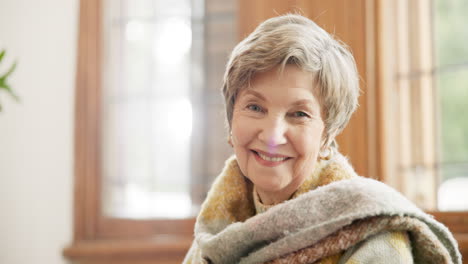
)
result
[(270, 187)]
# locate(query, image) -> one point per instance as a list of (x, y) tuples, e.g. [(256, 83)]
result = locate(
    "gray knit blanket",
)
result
[(326, 221)]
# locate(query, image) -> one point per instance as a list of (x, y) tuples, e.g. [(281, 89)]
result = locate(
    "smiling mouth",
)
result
[(270, 160)]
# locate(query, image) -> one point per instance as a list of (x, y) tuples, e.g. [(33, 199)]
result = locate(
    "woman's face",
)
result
[(277, 131)]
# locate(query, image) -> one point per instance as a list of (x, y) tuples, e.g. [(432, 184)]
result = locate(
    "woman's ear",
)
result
[(329, 139), (229, 139), (327, 146)]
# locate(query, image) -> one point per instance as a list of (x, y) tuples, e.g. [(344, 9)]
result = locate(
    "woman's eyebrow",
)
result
[(303, 102), (256, 94)]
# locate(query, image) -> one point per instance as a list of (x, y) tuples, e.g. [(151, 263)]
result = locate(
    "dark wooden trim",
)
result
[(456, 221), (87, 109), (462, 240), (376, 151), (159, 248)]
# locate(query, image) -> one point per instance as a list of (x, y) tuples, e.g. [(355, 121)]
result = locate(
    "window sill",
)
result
[(462, 240), (160, 249)]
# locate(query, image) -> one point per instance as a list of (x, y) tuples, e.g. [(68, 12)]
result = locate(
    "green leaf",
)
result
[(3, 79), (10, 71), (2, 54), (8, 89)]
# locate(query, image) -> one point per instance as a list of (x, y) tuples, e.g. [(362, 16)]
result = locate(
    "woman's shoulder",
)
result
[(386, 247)]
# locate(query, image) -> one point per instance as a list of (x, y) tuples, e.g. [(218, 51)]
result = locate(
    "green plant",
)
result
[(4, 79)]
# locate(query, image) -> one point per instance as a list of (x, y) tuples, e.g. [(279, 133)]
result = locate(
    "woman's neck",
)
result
[(272, 198)]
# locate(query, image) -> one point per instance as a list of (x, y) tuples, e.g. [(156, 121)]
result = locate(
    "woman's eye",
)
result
[(254, 108), (299, 114)]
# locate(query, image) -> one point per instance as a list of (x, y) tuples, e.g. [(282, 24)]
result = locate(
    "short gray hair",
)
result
[(294, 39)]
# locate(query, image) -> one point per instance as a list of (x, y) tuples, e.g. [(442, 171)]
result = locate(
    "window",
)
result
[(147, 108), (162, 71), (422, 91), (451, 80), (419, 89)]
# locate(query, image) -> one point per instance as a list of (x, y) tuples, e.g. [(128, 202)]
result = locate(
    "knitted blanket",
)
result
[(344, 211)]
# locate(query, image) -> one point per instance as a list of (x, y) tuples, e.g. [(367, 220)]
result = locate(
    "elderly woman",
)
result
[(288, 195)]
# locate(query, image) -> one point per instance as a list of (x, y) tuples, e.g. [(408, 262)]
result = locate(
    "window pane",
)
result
[(451, 34), (453, 93), (138, 8), (147, 111)]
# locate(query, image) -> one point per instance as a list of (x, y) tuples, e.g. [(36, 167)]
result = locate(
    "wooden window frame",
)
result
[(96, 238)]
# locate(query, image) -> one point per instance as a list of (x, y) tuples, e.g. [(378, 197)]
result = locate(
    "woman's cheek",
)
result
[(243, 132), (242, 136), (308, 142)]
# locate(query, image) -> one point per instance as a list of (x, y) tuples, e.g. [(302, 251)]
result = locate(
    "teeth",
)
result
[(274, 159)]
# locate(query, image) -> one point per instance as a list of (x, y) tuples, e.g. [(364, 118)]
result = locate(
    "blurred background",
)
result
[(119, 129)]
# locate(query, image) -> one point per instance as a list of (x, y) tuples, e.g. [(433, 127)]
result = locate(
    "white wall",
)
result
[(36, 136)]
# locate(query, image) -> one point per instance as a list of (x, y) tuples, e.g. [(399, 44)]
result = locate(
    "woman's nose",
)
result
[(273, 131)]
